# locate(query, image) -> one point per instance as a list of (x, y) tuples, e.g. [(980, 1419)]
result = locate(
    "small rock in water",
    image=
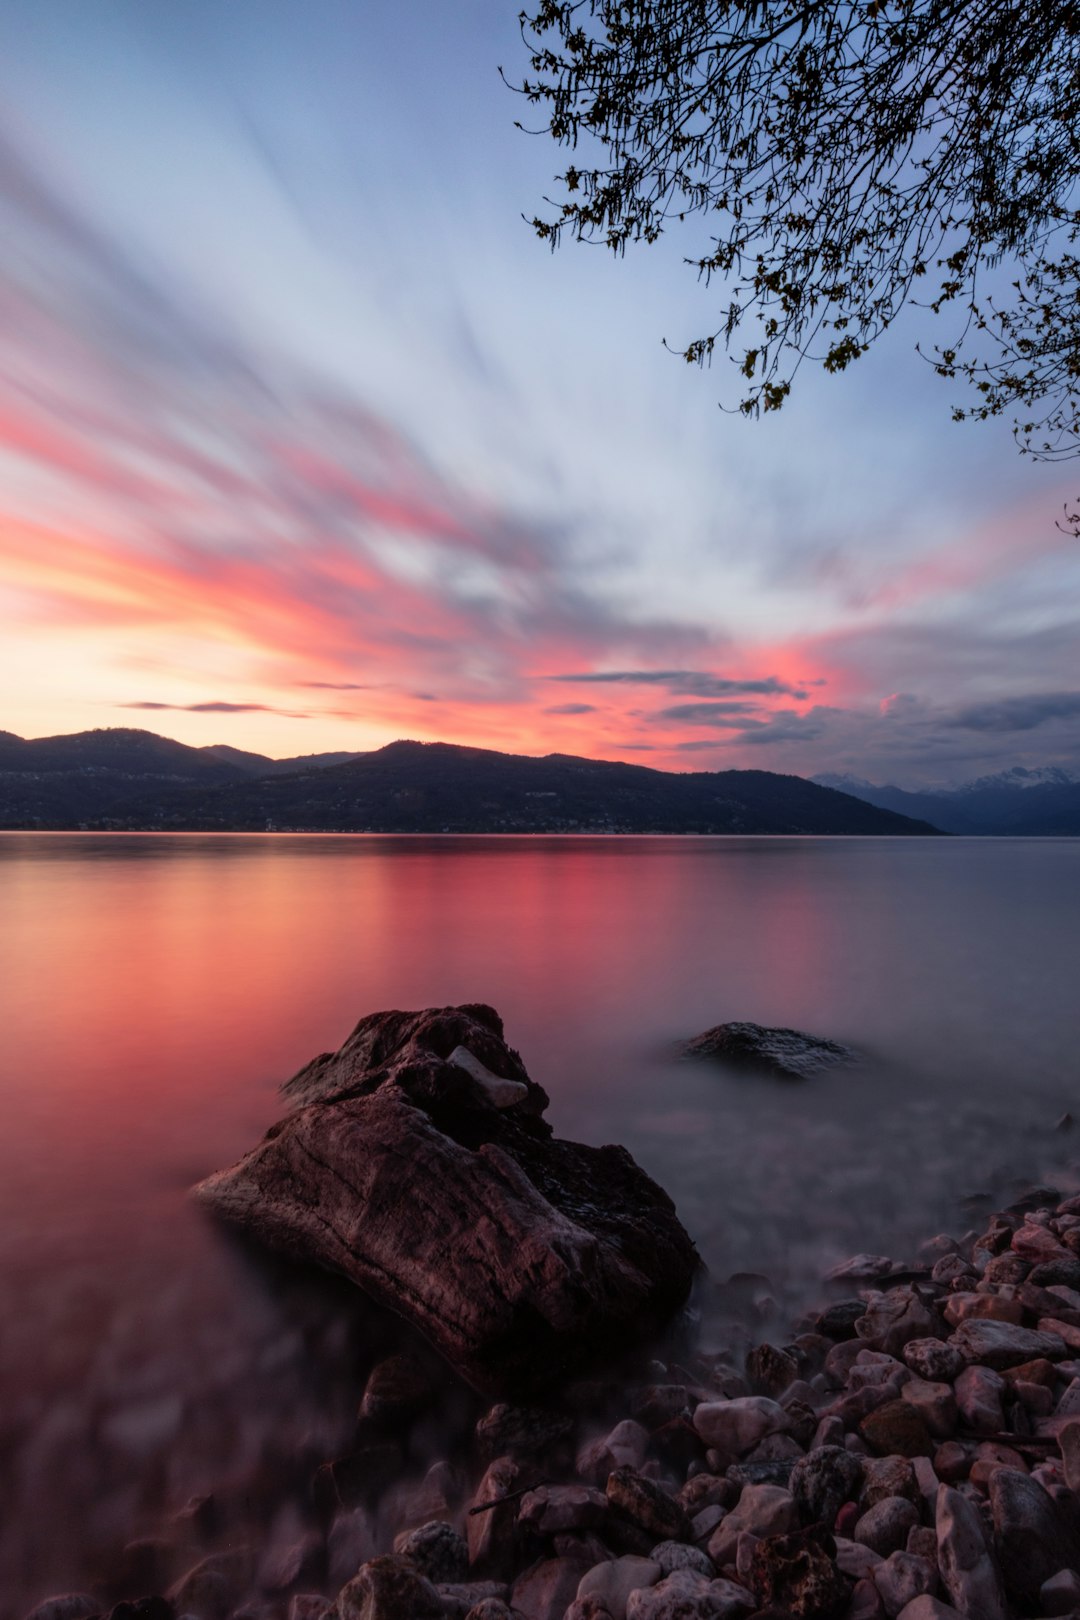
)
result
[(788, 1053)]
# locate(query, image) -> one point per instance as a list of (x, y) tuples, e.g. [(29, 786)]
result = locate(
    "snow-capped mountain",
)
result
[(1019, 802)]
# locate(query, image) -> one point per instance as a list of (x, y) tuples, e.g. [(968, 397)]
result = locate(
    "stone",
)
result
[(1036, 1243), (970, 1307), (735, 1427), (527, 1433), (927, 1608), (933, 1360), (761, 1510), (897, 1317), (702, 1490), (625, 1447), (935, 1404), (883, 1477), (309, 1606), (885, 1526), (922, 1541), (611, 1583), (861, 1268), (461, 1597), (966, 1562), (688, 1596), (436, 1550), (838, 1321), (901, 1578), (496, 1609), (796, 1574), (217, 1582), (1067, 1332), (786, 1053), (588, 1608), (387, 1588), (1069, 1446), (68, 1606), (952, 1461), (490, 1532), (662, 1403), (855, 1559), (704, 1523), (927, 1481), (646, 1505), (398, 1389), (771, 1370), (896, 1429), (979, 1392), (953, 1271), (545, 1591), (1031, 1535), (1065, 1271), (1006, 1268), (673, 1555), (865, 1602), (551, 1509), (1060, 1593), (1002, 1344), (522, 1258), (989, 1457), (821, 1482)]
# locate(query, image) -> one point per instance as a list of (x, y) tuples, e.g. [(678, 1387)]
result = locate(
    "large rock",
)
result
[(787, 1053), (1033, 1536), (969, 1572), (417, 1163)]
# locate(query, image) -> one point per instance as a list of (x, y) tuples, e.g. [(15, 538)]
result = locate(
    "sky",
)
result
[(308, 443)]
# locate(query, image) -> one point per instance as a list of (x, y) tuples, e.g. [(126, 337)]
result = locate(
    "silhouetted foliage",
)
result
[(843, 159)]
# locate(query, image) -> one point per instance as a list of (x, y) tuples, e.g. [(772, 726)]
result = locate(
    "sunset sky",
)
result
[(308, 443)]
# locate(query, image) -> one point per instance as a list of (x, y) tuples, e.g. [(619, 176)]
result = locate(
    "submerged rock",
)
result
[(446, 1198), (788, 1053)]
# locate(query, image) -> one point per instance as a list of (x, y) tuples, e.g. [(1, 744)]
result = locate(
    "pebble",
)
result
[(946, 1464), (673, 1555), (968, 1571), (649, 1507), (611, 1583), (735, 1427), (901, 1578), (933, 1359), (885, 1526)]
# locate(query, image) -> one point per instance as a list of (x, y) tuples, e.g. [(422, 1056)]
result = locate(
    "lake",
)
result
[(155, 990)]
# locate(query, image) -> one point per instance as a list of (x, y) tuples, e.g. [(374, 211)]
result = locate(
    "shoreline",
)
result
[(916, 1439)]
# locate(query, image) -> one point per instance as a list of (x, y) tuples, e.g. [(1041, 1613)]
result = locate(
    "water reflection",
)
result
[(154, 991)]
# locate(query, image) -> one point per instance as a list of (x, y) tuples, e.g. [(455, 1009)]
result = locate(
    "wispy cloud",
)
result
[(692, 682), (219, 707)]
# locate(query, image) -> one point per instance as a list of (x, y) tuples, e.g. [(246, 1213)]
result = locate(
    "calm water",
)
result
[(155, 990)]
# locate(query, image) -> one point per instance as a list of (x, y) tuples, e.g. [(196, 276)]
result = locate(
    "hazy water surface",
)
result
[(155, 990)]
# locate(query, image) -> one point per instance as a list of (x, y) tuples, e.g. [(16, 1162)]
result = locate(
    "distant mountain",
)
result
[(261, 765), (133, 780), (1018, 802)]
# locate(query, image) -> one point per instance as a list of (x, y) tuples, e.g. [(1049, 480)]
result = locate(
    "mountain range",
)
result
[(1020, 802), (129, 780)]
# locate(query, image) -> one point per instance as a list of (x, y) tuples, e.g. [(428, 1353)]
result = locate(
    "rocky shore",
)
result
[(908, 1451)]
